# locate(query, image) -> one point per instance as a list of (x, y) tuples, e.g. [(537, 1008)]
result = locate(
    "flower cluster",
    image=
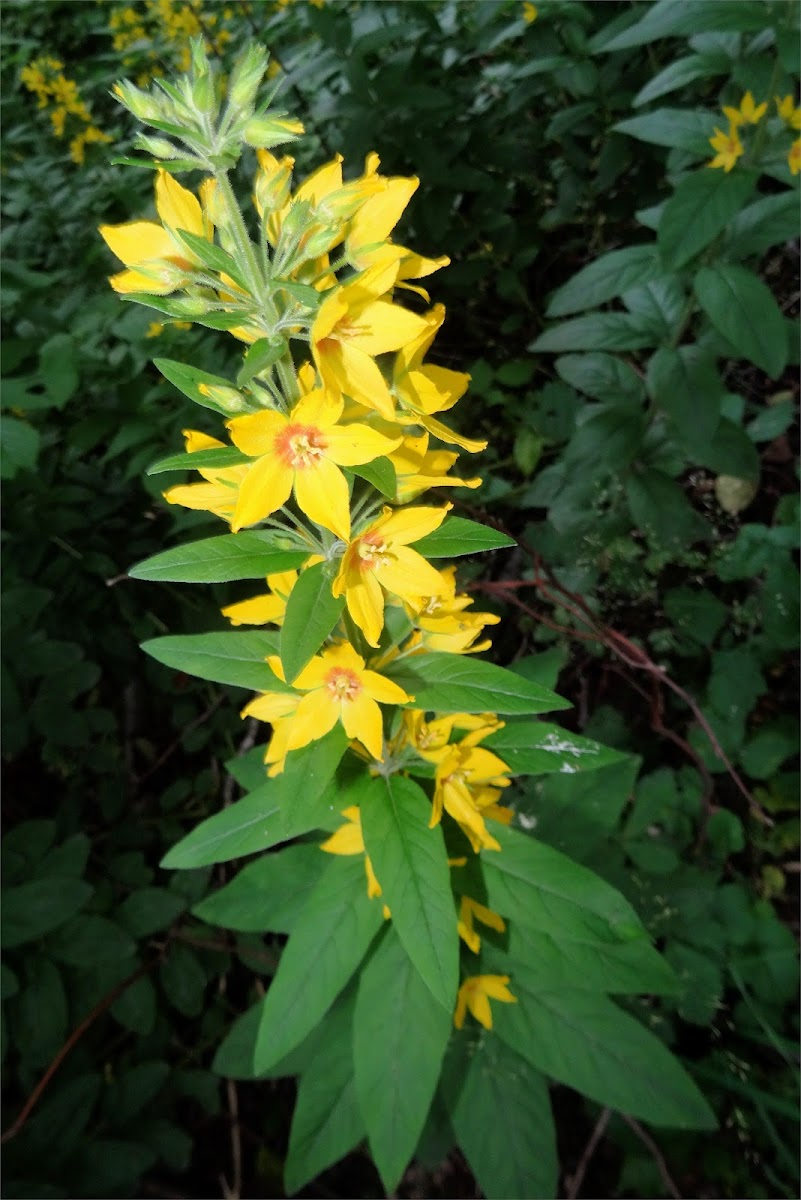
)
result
[(44, 76), (330, 446), (728, 145), (161, 30)]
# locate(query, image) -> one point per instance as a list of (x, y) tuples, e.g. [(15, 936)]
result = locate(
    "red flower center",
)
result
[(343, 684), (300, 446)]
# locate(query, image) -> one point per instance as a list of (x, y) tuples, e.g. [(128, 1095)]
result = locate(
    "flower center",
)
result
[(301, 446), (373, 552), (343, 684)]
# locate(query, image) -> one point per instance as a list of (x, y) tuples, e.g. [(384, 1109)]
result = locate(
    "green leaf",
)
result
[(188, 379), (213, 256), (661, 510), (536, 748), (58, 366), (612, 434), (88, 939), (560, 961), (268, 894), (19, 446), (681, 72), (729, 452), (287, 806), (686, 386), (399, 1040), (701, 207), (767, 222), (448, 683), (262, 355), (326, 946), (183, 979), (311, 613), (585, 1041), (596, 331), (221, 559), (742, 308), (237, 659), (501, 1112), (668, 19), (699, 615), (222, 456), (544, 890), (606, 277), (148, 910), (327, 1122), (679, 128), (411, 864), (601, 376), (457, 536), (31, 910), (380, 473)]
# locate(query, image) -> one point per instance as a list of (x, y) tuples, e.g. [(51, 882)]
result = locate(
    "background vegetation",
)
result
[(642, 452)]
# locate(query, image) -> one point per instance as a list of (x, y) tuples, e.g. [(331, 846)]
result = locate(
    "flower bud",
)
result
[(158, 147), (226, 398), (143, 106), (271, 131), (273, 183), (246, 77)]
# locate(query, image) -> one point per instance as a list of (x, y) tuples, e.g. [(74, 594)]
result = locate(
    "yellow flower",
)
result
[(219, 494), (268, 608), (417, 468), (380, 560), (353, 325), (748, 113), (424, 390), (338, 687), (156, 255), (303, 452), (468, 782), (529, 12), (430, 738), (789, 113), (349, 840), (794, 157), (468, 911), (444, 623), (475, 995), (155, 329), (728, 146)]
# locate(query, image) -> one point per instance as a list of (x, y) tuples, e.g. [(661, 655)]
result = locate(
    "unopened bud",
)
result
[(271, 131), (158, 147), (141, 104), (226, 398), (273, 183), (246, 77), (190, 306)]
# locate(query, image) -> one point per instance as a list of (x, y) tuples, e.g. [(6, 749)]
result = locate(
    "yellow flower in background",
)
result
[(469, 911), (475, 995), (789, 113), (349, 840), (268, 608), (747, 114), (380, 560), (794, 157), (303, 453), (338, 687), (154, 253), (219, 493), (530, 13), (729, 148)]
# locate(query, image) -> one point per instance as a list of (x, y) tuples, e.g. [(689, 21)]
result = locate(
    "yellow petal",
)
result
[(195, 440), (265, 488), (408, 575), (350, 445), (316, 714), (445, 434), (138, 241), (383, 326), (176, 206), (271, 706), (479, 1006), (259, 610), (321, 492), (362, 721), (352, 373), (255, 434), (204, 497), (376, 219), (406, 525), (325, 179), (347, 840), (365, 602), (383, 690)]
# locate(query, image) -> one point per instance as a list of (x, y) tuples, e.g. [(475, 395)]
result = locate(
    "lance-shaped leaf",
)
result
[(188, 380), (584, 1040), (606, 277), (234, 658), (536, 748), (380, 473), (501, 1113), (448, 683), (222, 559), (311, 613), (699, 209), (219, 456), (743, 309), (399, 1039), (268, 894), (329, 941), (293, 803), (457, 536)]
